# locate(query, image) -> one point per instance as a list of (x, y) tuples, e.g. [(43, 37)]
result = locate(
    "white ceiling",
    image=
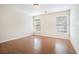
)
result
[(29, 9)]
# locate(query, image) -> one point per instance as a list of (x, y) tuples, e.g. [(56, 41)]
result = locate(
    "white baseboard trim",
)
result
[(54, 37), (76, 50), (26, 35), (74, 47)]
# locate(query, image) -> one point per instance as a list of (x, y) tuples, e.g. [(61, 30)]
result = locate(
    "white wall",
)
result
[(48, 24), (0, 21), (75, 26), (14, 23)]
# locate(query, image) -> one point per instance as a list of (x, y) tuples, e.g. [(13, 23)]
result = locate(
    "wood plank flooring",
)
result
[(37, 45)]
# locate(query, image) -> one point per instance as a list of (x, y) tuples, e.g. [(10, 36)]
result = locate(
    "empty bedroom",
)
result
[(39, 29)]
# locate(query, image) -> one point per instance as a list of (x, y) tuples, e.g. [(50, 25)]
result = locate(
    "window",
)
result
[(37, 25), (61, 24)]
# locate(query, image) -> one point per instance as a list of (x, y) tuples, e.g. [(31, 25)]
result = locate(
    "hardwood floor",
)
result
[(37, 45)]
